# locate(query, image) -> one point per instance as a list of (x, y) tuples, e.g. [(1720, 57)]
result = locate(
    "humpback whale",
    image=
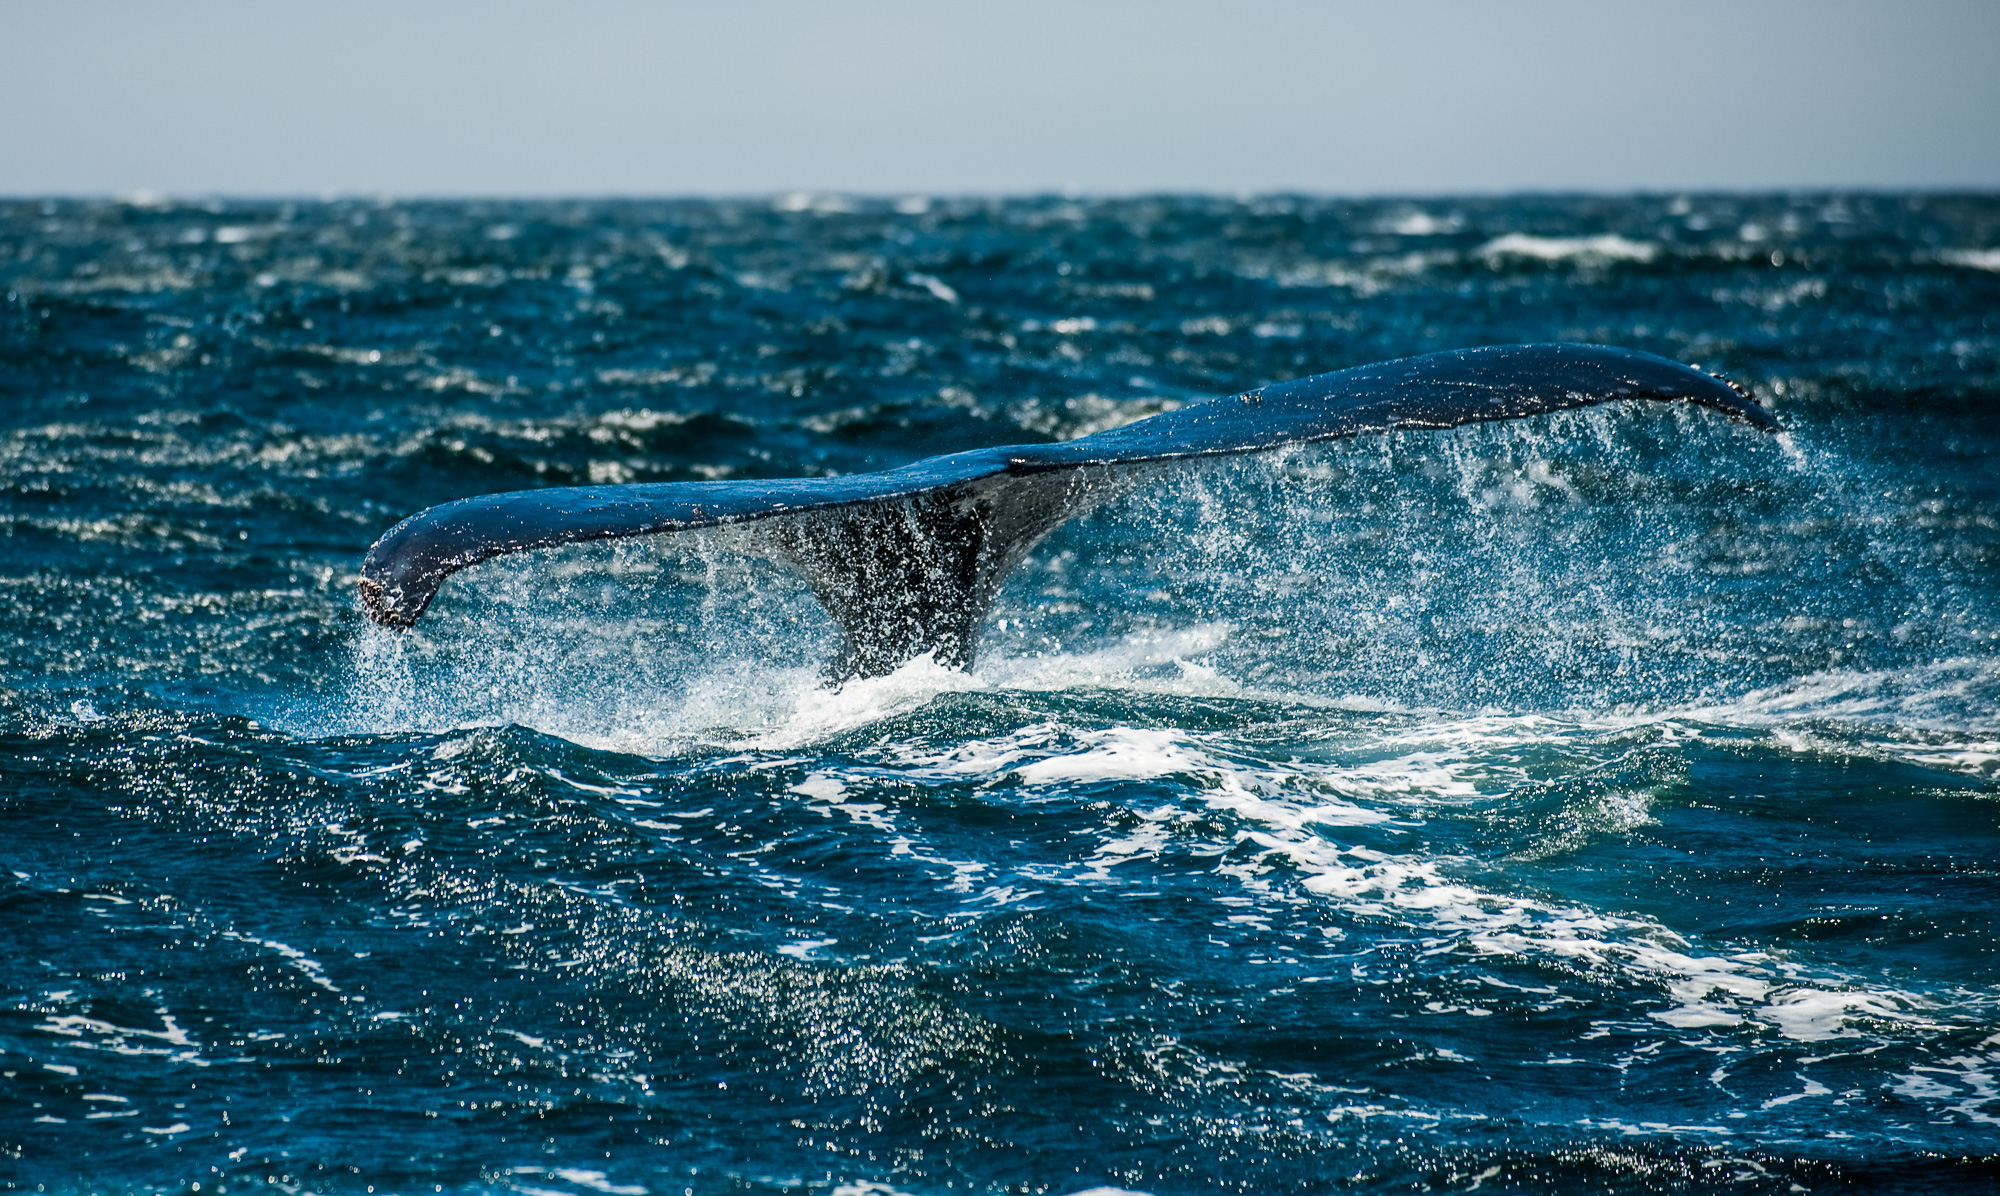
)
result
[(908, 560)]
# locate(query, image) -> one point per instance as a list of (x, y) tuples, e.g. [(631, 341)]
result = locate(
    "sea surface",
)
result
[(1604, 802)]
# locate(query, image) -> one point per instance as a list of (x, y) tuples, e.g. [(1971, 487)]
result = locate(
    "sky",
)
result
[(607, 97)]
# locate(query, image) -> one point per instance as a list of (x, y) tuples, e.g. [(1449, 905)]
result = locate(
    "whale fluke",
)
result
[(908, 560)]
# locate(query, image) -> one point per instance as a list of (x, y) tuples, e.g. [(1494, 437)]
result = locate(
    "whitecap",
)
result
[(1609, 247)]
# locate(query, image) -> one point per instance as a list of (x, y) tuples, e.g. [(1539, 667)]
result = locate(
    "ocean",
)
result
[(1602, 802)]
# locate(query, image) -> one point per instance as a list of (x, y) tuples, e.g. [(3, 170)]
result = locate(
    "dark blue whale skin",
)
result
[(909, 559)]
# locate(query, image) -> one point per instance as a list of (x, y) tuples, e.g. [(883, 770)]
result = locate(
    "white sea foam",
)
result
[(780, 710), (1967, 1085), (1047, 754), (1708, 990), (1913, 697), (1609, 247), (1972, 259), (1117, 754), (1419, 223), (589, 1180), (1161, 661), (1289, 815)]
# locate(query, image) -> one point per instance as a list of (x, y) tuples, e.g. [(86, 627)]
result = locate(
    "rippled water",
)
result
[(1604, 802)]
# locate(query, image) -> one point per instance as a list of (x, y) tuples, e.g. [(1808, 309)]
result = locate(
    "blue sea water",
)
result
[(1606, 802)]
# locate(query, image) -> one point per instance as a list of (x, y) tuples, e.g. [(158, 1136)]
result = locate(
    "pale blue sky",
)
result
[(597, 97)]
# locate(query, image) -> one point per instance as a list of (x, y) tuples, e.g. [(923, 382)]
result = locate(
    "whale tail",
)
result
[(908, 561), (916, 574)]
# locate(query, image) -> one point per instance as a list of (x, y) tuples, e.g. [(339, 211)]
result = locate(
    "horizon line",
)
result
[(810, 198)]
